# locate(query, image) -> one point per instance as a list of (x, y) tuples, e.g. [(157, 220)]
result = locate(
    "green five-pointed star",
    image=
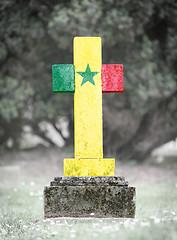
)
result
[(87, 75)]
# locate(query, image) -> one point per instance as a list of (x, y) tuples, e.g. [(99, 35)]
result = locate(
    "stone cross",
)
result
[(88, 78)]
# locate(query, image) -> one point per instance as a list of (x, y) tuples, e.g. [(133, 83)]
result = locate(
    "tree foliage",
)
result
[(139, 34)]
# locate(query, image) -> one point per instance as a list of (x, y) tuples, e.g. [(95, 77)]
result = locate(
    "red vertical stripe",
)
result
[(112, 77)]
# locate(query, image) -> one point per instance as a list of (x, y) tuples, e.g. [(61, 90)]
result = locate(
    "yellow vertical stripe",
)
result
[(88, 99)]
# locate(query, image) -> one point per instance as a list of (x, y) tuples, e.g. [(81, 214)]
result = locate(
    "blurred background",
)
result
[(36, 125), (141, 35)]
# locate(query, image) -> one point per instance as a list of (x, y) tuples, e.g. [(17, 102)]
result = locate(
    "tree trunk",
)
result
[(156, 127)]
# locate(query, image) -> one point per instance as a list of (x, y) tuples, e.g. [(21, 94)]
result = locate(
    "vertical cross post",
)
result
[(88, 78)]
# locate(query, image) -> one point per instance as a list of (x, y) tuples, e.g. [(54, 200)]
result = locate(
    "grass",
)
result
[(21, 216), (21, 206)]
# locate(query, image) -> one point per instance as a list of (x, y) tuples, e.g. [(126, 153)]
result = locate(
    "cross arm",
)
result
[(63, 76), (112, 78)]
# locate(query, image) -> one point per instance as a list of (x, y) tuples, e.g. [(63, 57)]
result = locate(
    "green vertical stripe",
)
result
[(63, 76)]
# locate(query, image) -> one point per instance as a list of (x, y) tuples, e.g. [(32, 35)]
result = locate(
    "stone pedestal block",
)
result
[(89, 197)]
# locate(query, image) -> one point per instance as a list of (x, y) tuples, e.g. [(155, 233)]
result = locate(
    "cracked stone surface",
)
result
[(85, 181), (89, 197)]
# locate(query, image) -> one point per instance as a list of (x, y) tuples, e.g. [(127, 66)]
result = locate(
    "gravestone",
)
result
[(89, 187)]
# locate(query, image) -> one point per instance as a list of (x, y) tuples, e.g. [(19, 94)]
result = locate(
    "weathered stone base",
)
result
[(89, 197)]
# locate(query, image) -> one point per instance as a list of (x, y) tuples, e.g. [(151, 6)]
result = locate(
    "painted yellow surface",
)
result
[(89, 167), (88, 127), (88, 99)]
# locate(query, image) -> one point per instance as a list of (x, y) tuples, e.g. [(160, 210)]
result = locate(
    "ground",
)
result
[(23, 176)]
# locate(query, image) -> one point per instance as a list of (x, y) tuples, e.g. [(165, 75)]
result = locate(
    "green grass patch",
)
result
[(21, 216)]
